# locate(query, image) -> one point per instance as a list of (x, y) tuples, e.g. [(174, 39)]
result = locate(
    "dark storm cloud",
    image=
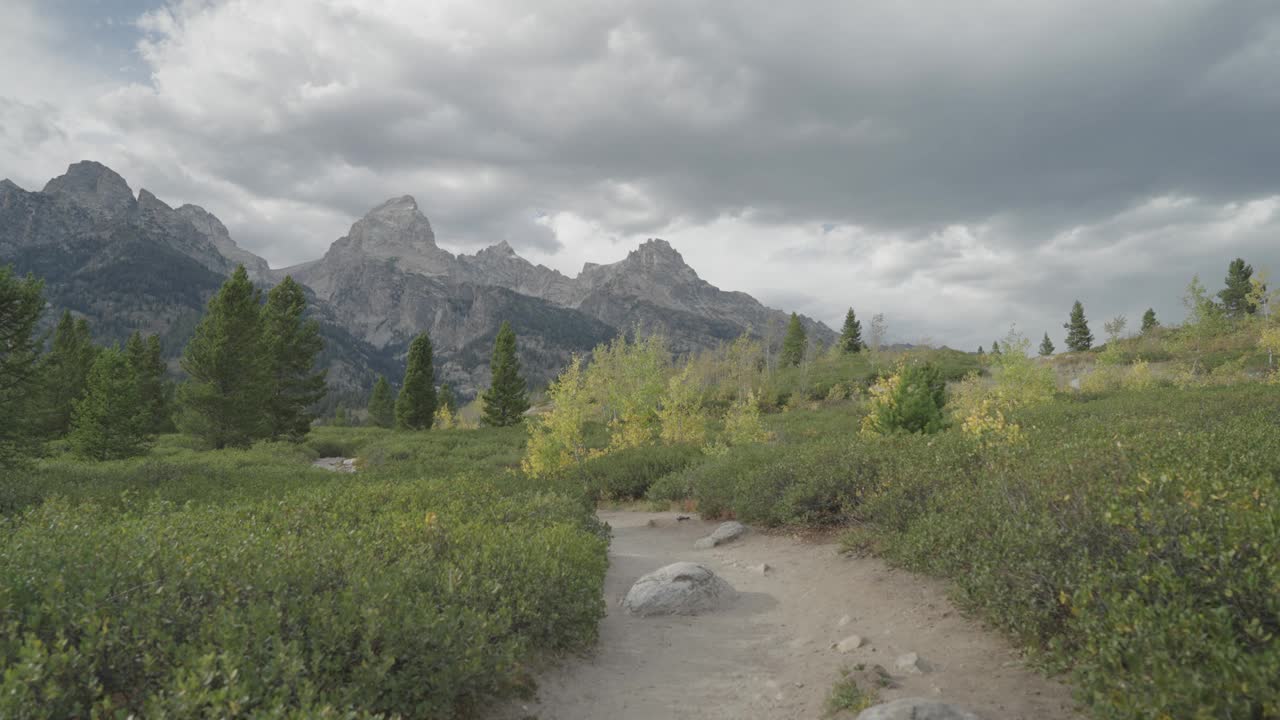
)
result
[(955, 162)]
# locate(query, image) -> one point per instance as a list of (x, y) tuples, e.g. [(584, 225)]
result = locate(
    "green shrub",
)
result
[(910, 401), (627, 474), (245, 583)]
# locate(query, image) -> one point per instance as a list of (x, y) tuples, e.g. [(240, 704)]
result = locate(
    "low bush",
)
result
[(247, 584), (627, 474), (1133, 537)]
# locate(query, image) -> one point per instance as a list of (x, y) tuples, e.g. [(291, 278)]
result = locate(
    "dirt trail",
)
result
[(769, 655)]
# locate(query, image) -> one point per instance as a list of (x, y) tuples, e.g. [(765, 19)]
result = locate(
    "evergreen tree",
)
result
[(223, 400), (340, 418), (793, 345), (995, 347), (1046, 346), (416, 404), (1235, 296), (291, 346), (980, 351), (65, 373), (110, 421), (851, 334), (446, 400), (1079, 339), (21, 304), (149, 369), (1149, 321), (507, 398), (382, 406)]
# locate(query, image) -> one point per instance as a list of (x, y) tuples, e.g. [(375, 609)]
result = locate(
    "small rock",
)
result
[(916, 709), (849, 644), (761, 569), (682, 588), (726, 532), (844, 620), (909, 663)]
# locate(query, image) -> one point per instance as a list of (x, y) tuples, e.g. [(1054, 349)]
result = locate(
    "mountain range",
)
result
[(131, 262)]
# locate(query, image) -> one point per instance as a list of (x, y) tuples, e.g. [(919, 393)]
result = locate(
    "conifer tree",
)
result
[(1235, 296), (1046, 346), (793, 345), (507, 398), (1079, 339), (149, 368), (65, 373), (416, 404), (980, 351), (110, 421), (21, 304), (340, 418), (382, 406), (851, 334), (995, 347), (1149, 321), (290, 345), (446, 400), (223, 400)]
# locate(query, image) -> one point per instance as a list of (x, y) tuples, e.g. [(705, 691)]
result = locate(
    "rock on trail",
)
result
[(336, 464), (682, 588)]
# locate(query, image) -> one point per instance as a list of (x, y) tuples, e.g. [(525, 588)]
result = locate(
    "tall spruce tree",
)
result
[(1235, 296), (65, 373), (21, 304), (446, 400), (793, 345), (290, 346), (851, 334), (995, 347), (149, 368), (1149, 321), (1079, 339), (110, 421), (507, 398), (416, 404), (1046, 346), (224, 398), (382, 406)]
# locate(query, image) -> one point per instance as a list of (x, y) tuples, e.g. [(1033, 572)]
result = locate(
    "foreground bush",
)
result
[(1135, 538), (351, 596)]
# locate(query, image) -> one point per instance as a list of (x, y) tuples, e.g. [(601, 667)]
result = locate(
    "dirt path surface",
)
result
[(770, 654)]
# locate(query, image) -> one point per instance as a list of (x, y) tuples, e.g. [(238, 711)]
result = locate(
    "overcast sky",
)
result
[(956, 166)]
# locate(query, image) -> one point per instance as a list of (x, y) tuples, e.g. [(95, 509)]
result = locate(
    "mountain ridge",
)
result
[(134, 262)]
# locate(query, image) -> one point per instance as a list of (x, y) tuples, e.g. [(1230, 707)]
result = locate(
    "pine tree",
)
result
[(21, 304), (1046, 346), (65, 373), (223, 400), (507, 398), (995, 347), (1079, 339), (1235, 296), (981, 352), (1149, 321), (793, 345), (416, 404), (851, 334), (291, 346), (110, 421), (149, 368), (382, 407), (446, 400), (340, 418)]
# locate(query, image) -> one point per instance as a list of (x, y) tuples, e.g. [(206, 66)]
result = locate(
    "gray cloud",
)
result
[(960, 166)]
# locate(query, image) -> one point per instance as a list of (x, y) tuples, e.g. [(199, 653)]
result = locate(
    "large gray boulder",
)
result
[(726, 532), (916, 709), (682, 588)]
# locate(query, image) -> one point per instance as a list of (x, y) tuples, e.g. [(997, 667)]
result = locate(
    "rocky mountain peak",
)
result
[(657, 252), (208, 225), (395, 230), (94, 186)]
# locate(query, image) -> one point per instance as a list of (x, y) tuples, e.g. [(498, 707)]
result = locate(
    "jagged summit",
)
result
[(94, 186)]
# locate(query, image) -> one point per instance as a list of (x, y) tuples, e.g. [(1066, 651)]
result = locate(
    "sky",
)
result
[(958, 167)]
